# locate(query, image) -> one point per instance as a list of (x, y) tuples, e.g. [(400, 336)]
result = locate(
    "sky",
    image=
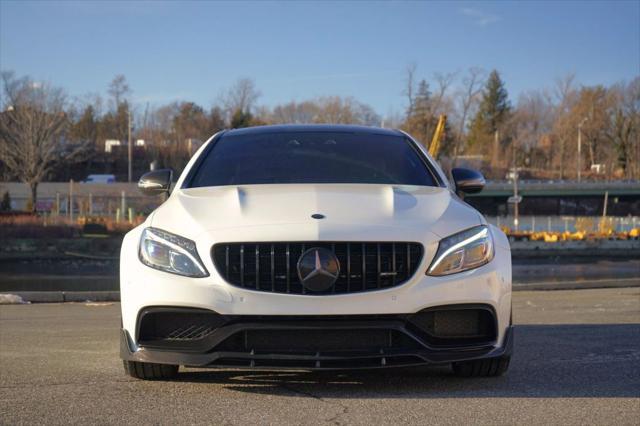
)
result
[(299, 50)]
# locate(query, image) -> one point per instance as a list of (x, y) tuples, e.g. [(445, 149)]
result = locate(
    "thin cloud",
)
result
[(479, 17), (339, 76), (154, 98)]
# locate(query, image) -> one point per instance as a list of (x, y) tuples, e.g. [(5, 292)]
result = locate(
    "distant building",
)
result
[(110, 143)]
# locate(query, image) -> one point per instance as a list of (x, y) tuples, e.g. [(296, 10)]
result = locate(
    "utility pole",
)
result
[(516, 212), (129, 147), (70, 211), (603, 221), (578, 165), (496, 148), (516, 200)]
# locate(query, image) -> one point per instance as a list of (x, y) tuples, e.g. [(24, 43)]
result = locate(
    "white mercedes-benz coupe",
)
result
[(314, 247)]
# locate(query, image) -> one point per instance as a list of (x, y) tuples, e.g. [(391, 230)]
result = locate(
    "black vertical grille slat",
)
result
[(257, 266), (302, 250), (271, 266), (364, 267), (333, 249), (408, 257), (288, 255), (242, 265), (226, 260), (348, 267), (378, 266), (393, 264)]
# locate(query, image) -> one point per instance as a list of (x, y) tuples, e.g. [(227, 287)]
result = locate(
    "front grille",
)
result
[(272, 267)]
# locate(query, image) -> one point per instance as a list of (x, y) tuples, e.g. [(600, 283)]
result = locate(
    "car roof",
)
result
[(335, 128)]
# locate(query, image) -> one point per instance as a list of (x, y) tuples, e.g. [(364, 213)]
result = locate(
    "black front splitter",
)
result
[(317, 361)]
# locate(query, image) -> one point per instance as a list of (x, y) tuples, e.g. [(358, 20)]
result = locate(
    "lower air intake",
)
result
[(462, 325)]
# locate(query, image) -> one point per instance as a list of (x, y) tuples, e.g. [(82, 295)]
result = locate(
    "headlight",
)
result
[(463, 251), (170, 253)]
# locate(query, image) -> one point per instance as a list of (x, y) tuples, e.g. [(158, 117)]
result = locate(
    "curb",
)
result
[(67, 296), (114, 296), (577, 285)]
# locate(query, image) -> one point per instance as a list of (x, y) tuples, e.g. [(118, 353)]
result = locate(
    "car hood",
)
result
[(352, 212)]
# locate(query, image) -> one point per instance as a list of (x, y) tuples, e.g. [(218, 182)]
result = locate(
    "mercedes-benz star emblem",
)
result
[(318, 269)]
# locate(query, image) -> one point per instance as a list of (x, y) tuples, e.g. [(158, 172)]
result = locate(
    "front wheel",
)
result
[(150, 371), (489, 367)]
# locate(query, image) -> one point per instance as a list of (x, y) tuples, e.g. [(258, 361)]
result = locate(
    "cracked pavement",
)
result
[(577, 361)]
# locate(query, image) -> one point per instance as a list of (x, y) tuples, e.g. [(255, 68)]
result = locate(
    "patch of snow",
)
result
[(90, 303), (11, 299)]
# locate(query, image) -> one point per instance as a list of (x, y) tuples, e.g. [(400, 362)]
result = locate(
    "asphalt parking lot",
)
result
[(577, 361)]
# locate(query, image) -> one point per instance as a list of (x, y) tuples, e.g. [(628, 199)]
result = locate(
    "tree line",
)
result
[(538, 134), (44, 132)]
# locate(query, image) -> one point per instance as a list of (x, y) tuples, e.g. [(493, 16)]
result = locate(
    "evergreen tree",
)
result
[(422, 121), (241, 118), (115, 124), (422, 103), (190, 122), (85, 129), (448, 141), (492, 114), (216, 120)]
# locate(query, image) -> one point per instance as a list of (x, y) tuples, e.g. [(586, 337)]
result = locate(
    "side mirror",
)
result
[(156, 182), (467, 181)]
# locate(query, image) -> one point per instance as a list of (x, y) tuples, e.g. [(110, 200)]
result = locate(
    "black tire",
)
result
[(490, 367), (150, 371)]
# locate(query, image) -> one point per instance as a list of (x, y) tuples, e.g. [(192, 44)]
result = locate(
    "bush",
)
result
[(27, 225), (5, 204)]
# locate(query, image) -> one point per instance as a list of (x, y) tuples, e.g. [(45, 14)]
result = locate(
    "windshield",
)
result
[(311, 157)]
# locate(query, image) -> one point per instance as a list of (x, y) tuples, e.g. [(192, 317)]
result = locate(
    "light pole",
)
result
[(516, 200), (129, 147), (580, 145)]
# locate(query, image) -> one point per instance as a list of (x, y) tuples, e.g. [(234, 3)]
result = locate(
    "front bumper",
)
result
[(312, 343), (143, 288)]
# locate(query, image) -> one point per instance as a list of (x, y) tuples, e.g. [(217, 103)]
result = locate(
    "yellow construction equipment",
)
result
[(434, 148)]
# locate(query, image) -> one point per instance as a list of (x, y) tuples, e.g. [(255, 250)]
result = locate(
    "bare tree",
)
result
[(443, 81), (632, 107), (564, 94), (472, 85), (242, 96), (32, 129), (119, 90), (338, 110), (623, 131), (409, 90), (328, 109), (295, 112), (564, 90), (528, 128)]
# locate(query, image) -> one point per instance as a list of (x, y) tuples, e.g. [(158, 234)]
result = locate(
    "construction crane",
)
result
[(434, 148)]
